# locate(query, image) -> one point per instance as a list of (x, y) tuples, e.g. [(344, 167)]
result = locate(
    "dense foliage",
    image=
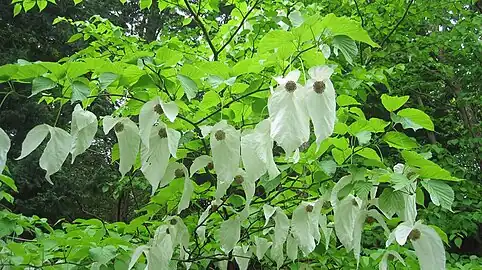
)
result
[(241, 135)]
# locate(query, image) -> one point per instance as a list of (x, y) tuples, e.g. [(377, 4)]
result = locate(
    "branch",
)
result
[(239, 27), (398, 24), (203, 29), (363, 26), (229, 103), (296, 56)]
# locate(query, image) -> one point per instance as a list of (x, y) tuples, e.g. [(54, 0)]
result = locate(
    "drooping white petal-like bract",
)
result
[(83, 129), (290, 126), (257, 152), (225, 147), (229, 234), (242, 255), (4, 147), (320, 100), (149, 115), (199, 163), (127, 134)]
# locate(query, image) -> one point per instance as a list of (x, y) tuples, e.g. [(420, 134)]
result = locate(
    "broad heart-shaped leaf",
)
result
[(128, 136), (155, 158), (242, 256), (390, 202), (290, 126), (56, 151), (33, 139), (399, 140), (321, 106), (103, 255), (225, 146), (393, 103), (189, 86), (4, 147), (80, 91), (257, 152), (427, 168), (41, 84), (441, 194), (347, 47), (262, 245), (83, 129), (106, 79), (418, 117), (342, 26), (229, 234), (149, 115)]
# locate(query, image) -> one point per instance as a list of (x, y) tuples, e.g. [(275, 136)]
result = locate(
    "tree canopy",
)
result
[(196, 134)]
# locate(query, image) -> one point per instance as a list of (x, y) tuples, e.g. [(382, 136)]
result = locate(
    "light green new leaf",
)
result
[(41, 84), (103, 255), (393, 103), (427, 168), (210, 99), (34, 138), (229, 234), (4, 147), (345, 100), (347, 46), (344, 26), (80, 91), (441, 194), (28, 4), (399, 140), (83, 129), (368, 153), (17, 9), (189, 86), (418, 117), (9, 182), (145, 4), (106, 79), (56, 151), (42, 4)]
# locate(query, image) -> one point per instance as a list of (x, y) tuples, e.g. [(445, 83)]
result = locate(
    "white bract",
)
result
[(389, 254), (128, 136), (281, 230), (225, 147), (83, 129), (262, 245), (290, 126), (56, 151), (426, 242), (199, 163), (304, 225), (163, 143), (229, 233), (320, 100), (4, 147), (242, 255), (150, 113), (257, 152)]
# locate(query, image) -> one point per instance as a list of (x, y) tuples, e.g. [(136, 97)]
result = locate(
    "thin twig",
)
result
[(203, 29), (398, 23)]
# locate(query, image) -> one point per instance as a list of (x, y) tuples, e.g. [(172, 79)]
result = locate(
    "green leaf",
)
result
[(343, 26), (390, 201), (399, 140), (80, 91), (367, 153), (441, 233), (363, 137), (393, 103), (418, 117), (75, 37), (17, 9), (328, 166), (277, 39), (103, 255), (427, 168), (347, 46), (420, 196), (145, 4), (345, 100), (28, 4), (9, 182), (441, 194), (189, 86), (339, 155), (41, 84), (106, 79), (42, 4), (210, 99)]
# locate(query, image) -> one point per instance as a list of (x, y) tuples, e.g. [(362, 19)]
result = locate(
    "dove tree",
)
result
[(285, 167)]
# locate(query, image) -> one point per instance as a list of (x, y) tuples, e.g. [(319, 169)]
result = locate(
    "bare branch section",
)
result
[(203, 29), (398, 23)]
